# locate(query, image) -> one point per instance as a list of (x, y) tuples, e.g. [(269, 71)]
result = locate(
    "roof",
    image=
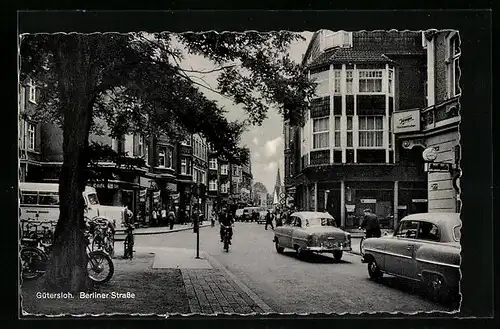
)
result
[(312, 214), (440, 218), (45, 187), (348, 55)]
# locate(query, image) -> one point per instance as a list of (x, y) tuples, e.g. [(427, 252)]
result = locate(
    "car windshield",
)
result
[(93, 199), (457, 233), (313, 222)]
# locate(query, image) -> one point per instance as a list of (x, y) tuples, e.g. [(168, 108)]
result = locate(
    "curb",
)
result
[(168, 231), (216, 264)]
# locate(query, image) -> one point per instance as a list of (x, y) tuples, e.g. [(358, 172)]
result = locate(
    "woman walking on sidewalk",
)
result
[(171, 219)]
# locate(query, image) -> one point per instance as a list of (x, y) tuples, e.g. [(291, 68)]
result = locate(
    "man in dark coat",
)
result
[(269, 219), (371, 224), (225, 219)]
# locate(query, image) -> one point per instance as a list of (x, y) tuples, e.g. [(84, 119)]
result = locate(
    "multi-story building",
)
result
[(436, 124), (346, 157), (29, 132)]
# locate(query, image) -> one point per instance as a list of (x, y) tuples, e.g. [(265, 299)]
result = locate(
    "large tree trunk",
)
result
[(67, 271)]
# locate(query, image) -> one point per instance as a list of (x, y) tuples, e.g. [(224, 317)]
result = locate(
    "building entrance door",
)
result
[(333, 205)]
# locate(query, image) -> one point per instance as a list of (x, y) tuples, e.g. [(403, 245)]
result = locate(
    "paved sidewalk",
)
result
[(165, 229), (210, 288)]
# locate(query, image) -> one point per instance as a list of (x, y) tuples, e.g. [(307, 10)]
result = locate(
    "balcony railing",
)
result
[(442, 114)]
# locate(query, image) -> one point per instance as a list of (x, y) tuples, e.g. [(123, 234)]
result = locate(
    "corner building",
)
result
[(346, 157)]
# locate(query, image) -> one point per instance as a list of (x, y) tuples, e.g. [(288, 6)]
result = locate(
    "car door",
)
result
[(284, 234), (399, 258)]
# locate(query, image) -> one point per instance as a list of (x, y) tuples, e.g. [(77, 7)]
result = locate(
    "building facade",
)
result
[(346, 158), (439, 121)]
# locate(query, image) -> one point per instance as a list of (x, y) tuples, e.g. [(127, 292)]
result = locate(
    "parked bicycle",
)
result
[(36, 249), (102, 234)]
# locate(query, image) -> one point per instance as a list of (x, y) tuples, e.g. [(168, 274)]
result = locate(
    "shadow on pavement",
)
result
[(316, 258), (411, 287)]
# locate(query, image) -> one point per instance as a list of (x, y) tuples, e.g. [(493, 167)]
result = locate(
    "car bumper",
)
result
[(327, 249)]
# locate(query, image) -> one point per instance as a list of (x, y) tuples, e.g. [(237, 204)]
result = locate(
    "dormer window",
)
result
[(340, 39)]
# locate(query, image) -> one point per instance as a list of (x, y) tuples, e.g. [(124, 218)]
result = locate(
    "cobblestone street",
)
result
[(210, 291)]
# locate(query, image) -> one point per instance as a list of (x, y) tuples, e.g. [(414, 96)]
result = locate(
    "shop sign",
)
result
[(402, 207), (429, 154), (144, 182), (437, 167), (368, 200), (418, 200), (406, 121), (172, 187), (350, 207)]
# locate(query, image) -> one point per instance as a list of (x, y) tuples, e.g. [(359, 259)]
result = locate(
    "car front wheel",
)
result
[(374, 271), (279, 249), (337, 255)]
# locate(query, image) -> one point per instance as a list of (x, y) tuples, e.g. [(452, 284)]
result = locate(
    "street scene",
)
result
[(240, 173)]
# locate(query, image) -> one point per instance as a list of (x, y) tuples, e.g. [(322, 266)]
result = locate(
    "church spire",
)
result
[(277, 186)]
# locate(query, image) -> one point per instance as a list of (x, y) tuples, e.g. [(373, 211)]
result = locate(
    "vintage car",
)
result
[(308, 232), (424, 248)]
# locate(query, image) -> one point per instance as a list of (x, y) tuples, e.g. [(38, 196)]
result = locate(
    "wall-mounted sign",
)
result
[(418, 200), (350, 207), (437, 167), (406, 121), (429, 154), (402, 207), (368, 200)]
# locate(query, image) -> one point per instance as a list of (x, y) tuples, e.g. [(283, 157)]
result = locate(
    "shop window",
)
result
[(29, 198)]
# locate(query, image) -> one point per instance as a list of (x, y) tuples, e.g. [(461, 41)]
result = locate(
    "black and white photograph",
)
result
[(247, 173)]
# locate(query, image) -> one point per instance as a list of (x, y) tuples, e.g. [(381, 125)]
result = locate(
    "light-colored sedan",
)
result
[(308, 232), (425, 248)]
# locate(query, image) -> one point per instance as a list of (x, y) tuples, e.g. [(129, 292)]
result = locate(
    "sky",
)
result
[(266, 141)]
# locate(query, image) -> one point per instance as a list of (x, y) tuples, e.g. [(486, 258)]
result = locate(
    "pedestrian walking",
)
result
[(171, 219), (212, 217), (155, 217), (371, 224), (163, 220), (269, 220)]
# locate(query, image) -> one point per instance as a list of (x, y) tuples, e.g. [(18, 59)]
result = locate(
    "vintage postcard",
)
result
[(249, 173)]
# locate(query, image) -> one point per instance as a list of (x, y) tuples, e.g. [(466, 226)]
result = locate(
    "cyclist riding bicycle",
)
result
[(226, 222)]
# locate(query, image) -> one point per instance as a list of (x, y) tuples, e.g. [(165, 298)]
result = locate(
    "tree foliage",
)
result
[(134, 83)]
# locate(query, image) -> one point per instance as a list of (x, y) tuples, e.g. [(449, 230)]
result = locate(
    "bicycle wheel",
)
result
[(33, 263), (100, 267)]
